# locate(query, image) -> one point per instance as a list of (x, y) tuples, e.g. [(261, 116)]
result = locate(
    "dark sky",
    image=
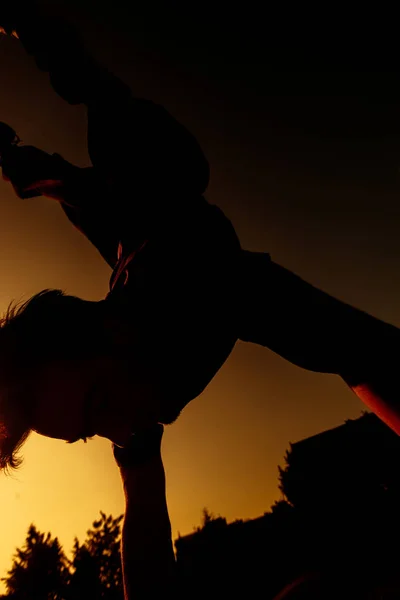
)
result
[(305, 161)]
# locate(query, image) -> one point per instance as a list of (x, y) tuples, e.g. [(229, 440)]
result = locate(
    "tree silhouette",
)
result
[(341, 489), (344, 487), (348, 469), (96, 564), (281, 509), (39, 569)]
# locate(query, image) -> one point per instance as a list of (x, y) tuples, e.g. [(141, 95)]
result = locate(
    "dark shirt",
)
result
[(175, 288), (172, 253)]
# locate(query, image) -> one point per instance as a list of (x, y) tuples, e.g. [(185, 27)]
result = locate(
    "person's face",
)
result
[(82, 398)]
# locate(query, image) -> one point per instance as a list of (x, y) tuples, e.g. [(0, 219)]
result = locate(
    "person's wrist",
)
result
[(143, 446)]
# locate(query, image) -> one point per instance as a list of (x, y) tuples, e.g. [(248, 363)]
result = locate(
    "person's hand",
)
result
[(143, 446), (32, 171)]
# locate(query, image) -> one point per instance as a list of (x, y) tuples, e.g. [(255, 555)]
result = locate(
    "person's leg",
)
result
[(148, 163), (313, 330), (58, 49), (303, 324), (134, 141)]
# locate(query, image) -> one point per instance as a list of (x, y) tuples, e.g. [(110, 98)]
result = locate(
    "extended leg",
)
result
[(317, 332), (58, 49), (135, 142)]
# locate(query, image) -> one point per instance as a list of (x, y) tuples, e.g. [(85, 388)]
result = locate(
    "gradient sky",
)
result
[(306, 165)]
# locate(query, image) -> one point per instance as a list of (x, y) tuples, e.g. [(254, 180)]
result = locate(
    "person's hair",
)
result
[(49, 326)]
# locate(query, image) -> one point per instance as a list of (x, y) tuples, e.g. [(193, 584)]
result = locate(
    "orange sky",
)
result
[(336, 230)]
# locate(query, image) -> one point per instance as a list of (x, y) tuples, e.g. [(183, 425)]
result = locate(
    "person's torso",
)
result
[(175, 293)]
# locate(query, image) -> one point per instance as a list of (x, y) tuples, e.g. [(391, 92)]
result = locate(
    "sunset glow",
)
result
[(287, 191)]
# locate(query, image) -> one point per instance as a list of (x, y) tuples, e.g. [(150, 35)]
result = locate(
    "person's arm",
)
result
[(148, 561)]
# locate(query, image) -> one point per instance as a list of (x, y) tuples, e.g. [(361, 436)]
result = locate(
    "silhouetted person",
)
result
[(182, 290), (165, 328)]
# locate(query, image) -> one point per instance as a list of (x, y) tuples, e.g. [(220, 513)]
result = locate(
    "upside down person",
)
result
[(182, 289)]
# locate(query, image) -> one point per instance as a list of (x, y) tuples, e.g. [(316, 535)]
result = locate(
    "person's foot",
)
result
[(15, 13), (8, 137), (43, 36), (6, 23)]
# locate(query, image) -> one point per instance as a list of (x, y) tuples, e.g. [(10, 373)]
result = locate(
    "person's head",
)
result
[(62, 375)]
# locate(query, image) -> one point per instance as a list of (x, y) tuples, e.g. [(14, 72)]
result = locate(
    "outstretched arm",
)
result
[(148, 561)]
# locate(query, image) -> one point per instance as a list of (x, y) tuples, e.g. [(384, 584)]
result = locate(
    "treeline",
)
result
[(338, 517)]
